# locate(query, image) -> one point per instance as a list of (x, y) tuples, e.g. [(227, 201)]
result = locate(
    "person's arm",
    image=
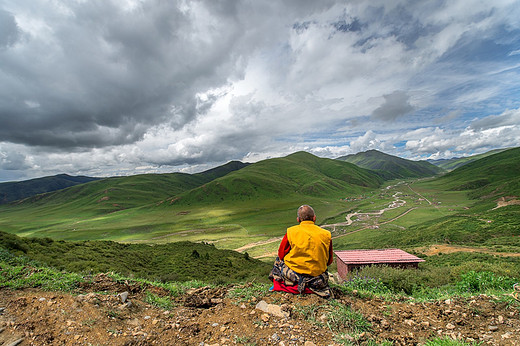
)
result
[(330, 254), (284, 248)]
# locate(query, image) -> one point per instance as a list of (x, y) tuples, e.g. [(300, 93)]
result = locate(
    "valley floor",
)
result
[(95, 314)]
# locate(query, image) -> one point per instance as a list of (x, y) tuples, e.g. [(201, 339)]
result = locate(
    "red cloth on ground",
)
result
[(281, 287)]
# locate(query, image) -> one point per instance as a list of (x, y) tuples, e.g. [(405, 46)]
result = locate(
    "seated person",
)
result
[(303, 257)]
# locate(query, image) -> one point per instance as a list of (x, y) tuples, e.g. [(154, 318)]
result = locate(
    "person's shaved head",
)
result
[(306, 213)]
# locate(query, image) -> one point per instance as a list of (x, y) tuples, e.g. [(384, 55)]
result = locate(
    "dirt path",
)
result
[(96, 315), (446, 249), (397, 203), (418, 194), (258, 243)]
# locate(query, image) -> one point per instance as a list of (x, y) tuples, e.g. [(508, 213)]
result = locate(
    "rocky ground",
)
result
[(110, 313)]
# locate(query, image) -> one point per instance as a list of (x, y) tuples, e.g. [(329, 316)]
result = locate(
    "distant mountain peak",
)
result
[(391, 167)]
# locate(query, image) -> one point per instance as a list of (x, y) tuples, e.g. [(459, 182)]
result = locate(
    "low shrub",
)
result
[(475, 282)]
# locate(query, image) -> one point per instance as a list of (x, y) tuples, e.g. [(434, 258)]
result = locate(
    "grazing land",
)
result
[(168, 241)]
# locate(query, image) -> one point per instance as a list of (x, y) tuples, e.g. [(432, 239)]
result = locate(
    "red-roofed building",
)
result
[(347, 260)]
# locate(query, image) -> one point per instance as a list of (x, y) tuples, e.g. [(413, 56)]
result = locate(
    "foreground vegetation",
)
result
[(347, 324), (181, 261)]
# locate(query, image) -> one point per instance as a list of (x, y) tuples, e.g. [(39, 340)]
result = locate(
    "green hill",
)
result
[(119, 193), (299, 174), (482, 224), (496, 174), (13, 191), (249, 202), (392, 167), (451, 164)]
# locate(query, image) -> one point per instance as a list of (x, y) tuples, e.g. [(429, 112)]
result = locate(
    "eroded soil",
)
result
[(96, 315)]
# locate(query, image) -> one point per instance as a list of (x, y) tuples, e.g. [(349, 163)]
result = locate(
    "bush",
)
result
[(365, 283), (474, 282)]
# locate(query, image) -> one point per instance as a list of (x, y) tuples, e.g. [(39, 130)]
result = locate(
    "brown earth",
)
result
[(446, 249), (95, 315)]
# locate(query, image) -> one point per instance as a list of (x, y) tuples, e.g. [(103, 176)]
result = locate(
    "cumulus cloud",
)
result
[(499, 131), (508, 118), (107, 73), (109, 87)]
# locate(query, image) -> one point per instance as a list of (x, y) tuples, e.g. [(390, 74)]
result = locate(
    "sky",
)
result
[(111, 88)]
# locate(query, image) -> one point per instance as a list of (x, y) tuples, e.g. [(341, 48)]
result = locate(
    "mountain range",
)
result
[(392, 167), (298, 173)]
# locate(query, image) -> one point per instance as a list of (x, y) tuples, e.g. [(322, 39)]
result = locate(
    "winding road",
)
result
[(397, 203)]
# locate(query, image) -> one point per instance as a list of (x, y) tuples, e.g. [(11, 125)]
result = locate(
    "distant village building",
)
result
[(348, 260)]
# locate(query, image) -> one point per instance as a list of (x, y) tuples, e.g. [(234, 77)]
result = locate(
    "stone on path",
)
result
[(272, 309)]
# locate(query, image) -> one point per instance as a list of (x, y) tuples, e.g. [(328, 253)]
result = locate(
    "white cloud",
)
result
[(107, 87)]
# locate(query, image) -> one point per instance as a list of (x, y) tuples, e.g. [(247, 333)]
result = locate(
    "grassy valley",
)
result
[(174, 234)]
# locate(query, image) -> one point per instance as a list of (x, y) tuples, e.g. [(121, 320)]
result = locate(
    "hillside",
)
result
[(13, 191), (474, 209), (119, 193), (298, 174), (179, 261), (496, 174), (451, 164), (392, 167)]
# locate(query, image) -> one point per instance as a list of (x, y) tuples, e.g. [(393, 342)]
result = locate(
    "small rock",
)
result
[(123, 296), (223, 328), (493, 328), (506, 335), (409, 322), (275, 337), (265, 317), (133, 322), (243, 306), (216, 300), (500, 319), (214, 324), (76, 337), (385, 324), (447, 301), (154, 322), (425, 324), (309, 343), (147, 317), (272, 309), (450, 326), (42, 299)]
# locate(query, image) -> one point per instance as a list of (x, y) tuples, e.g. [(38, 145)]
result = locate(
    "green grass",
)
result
[(448, 341), (179, 261)]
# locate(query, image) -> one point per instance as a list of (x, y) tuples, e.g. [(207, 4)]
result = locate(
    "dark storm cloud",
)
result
[(102, 75), (9, 32), (396, 105)]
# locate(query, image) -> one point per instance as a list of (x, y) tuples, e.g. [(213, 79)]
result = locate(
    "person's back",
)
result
[(303, 256), (309, 248)]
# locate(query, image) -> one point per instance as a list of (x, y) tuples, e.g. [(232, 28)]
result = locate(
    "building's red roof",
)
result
[(376, 256)]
